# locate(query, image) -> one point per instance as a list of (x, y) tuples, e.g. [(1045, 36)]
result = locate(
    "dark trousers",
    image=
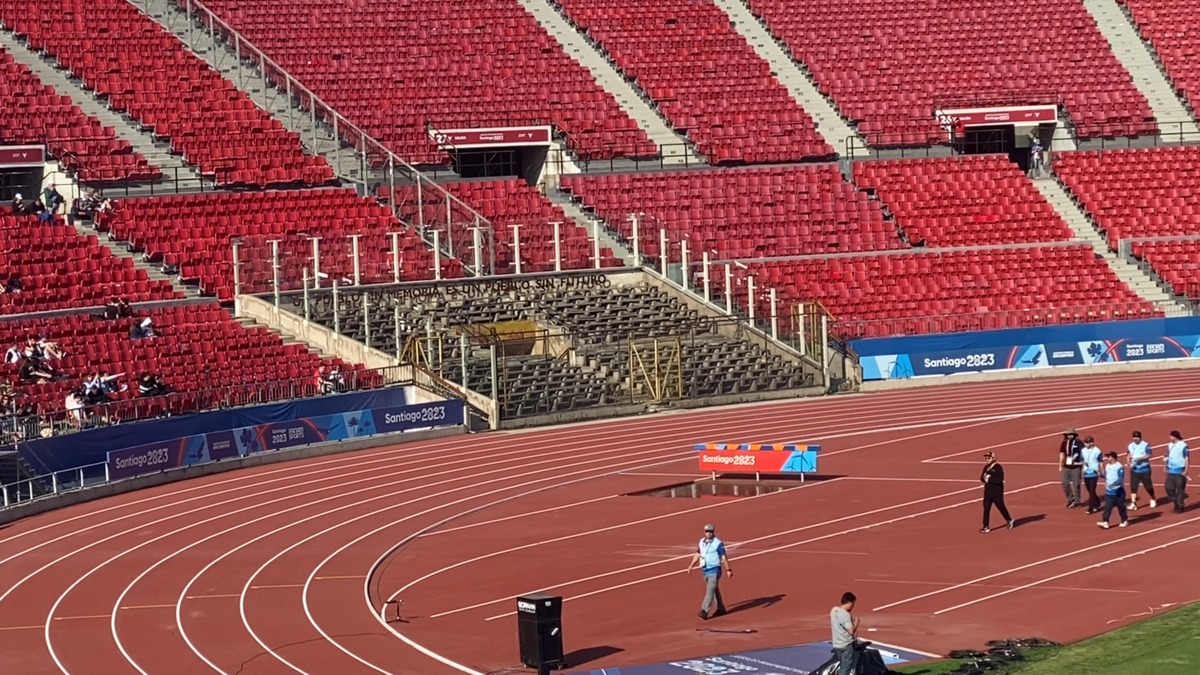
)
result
[(1176, 484), (1116, 499), (1093, 498), (994, 495), (1136, 479), (1070, 484)]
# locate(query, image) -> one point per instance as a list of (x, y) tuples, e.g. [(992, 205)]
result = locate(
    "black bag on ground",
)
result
[(867, 661)]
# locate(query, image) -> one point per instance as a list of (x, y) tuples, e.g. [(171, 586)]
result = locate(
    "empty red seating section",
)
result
[(144, 71), (33, 113), (506, 203), (397, 66), (195, 233), (963, 201), (873, 296), (199, 351), (887, 65), (1150, 192), (704, 77), (1173, 28), (60, 269), (740, 213)]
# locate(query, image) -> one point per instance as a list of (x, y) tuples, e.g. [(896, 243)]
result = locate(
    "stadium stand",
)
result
[(703, 76), (1173, 29), (145, 72), (509, 202), (205, 357), (59, 269), (962, 201), (740, 213), (1147, 192), (598, 322), (193, 234), (888, 66), (471, 63), (34, 113), (938, 292)]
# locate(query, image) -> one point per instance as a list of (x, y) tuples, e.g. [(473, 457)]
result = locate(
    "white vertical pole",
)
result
[(462, 350), (750, 296), (557, 246), (664, 253), (357, 263), (306, 295), (396, 257), (704, 273), (450, 225), (774, 315), (275, 268), (825, 347), (437, 255), (396, 328), (478, 245), (728, 288), (392, 185), (337, 309), (316, 244), (800, 330), (596, 243), (516, 229), (237, 273), (637, 241), (420, 205), (683, 255)]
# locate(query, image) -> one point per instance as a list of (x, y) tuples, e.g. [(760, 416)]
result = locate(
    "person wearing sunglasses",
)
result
[(711, 558), (992, 478)]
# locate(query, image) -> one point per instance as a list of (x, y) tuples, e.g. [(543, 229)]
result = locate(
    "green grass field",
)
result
[(1168, 644)]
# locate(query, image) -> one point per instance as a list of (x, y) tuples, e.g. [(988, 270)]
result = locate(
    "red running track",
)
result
[(285, 568)]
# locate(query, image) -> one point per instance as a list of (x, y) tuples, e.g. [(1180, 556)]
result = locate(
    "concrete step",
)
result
[(608, 237), (121, 249), (1140, 280), (675, 147), (1138, 58), (176, 172), (792, 75)]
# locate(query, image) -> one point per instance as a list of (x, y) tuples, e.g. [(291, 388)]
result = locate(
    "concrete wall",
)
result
[(1029, 374)]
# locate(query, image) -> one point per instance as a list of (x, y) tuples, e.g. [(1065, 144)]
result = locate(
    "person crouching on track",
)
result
[(1177, 465), (992, 478), (1139, 471), (1070, 460), (1092, 457), (1114, 490)]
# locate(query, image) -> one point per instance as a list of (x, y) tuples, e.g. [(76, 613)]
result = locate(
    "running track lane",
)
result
[(61, 566)]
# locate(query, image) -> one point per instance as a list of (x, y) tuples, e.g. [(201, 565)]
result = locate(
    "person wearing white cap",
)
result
[(711, 558)]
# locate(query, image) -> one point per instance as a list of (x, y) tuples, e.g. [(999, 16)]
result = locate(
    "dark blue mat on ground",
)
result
[(794, 660)]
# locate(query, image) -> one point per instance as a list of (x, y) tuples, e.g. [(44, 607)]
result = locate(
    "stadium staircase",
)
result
[(222, 56), (676, 149), (589, 222), (1175, 123), (830, 124), (178, 175), (1139, 280)]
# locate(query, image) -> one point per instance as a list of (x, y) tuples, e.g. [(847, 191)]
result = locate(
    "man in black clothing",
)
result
[(1070, 461), (992, 478)]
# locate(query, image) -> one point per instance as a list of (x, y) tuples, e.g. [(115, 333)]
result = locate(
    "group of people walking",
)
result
[(1081, 461)]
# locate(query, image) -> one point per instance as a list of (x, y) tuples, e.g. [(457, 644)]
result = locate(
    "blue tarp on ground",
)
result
[(793, 660)]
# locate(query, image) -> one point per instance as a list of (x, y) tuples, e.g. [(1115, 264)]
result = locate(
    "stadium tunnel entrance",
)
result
[(22, 171), (1020, 132), (496, 152)]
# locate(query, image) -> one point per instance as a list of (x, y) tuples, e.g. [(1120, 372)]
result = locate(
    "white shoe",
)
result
[(1133, 506), (1153, 503), (1124, 523), (1103, 524)]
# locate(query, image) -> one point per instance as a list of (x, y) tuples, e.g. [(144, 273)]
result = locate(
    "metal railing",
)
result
[(51, 484), (60, 421)]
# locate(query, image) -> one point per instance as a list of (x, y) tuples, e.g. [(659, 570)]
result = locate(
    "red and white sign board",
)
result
[(984, 117), (497, 137), (22, 155)]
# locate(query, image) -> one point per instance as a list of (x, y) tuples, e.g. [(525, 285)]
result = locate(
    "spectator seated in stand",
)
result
[(150, 384), (34, 371), (99, 387), (75, 404), (118, 309), (329, 379), (14, 354), (52, 198), (142, 330)]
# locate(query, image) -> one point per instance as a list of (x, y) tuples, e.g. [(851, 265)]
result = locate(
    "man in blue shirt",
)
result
[(1139, 470), (1114, 490), (1091, 471), (710, 556), (1177, 465)]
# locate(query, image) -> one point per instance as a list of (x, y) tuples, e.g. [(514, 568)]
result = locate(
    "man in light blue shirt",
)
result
[(711, 558), (1139, 470), (1114, 490), (1091, 472), (1177, 465)]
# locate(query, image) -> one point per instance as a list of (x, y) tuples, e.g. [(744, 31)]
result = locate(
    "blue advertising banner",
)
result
[(83, 448), (1043, 347)]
